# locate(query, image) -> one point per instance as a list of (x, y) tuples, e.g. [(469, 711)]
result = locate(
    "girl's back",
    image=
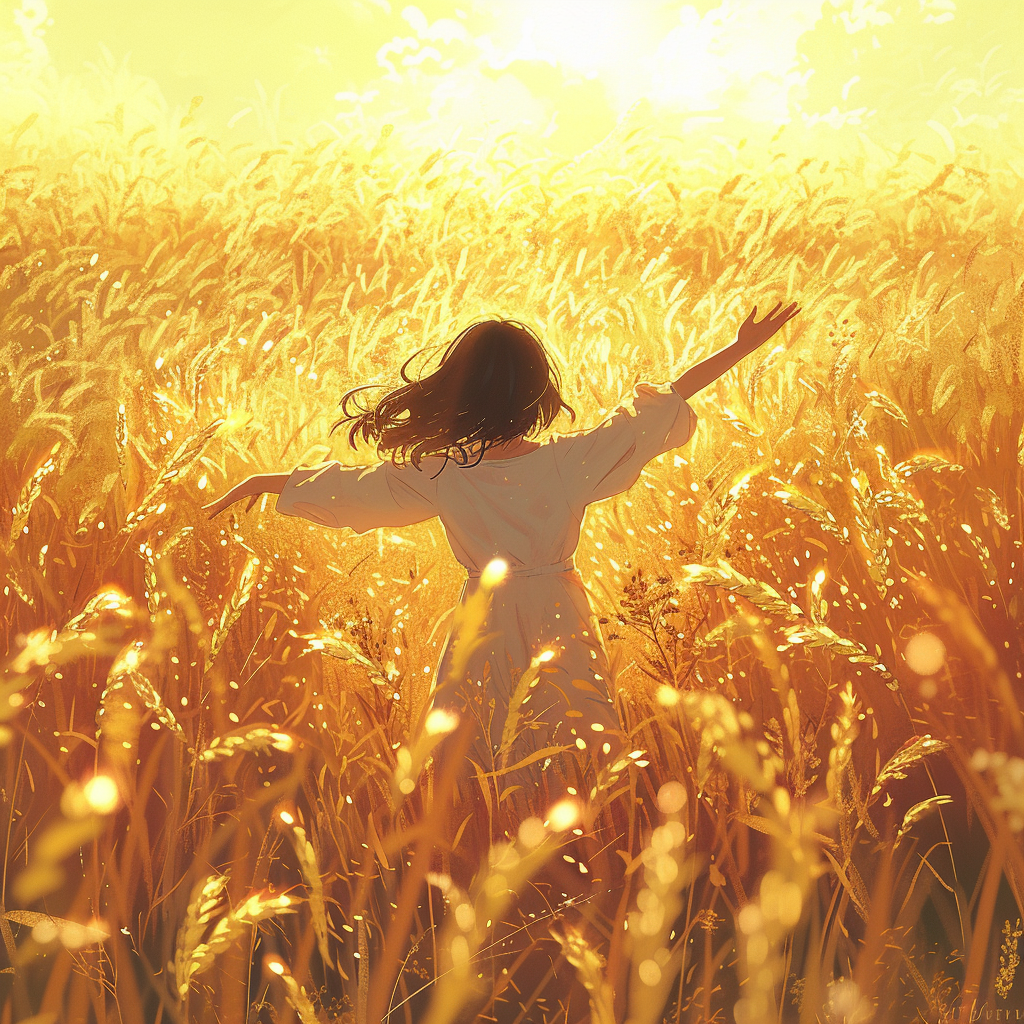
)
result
[(526, 510)]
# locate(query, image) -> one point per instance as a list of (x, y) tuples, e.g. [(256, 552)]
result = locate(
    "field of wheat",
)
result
[(222, 798)]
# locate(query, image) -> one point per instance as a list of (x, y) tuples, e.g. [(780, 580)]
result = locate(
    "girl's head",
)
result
[(494, 384)]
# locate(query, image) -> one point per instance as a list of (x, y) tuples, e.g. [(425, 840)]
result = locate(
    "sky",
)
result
[(562, 72), (566, 68)]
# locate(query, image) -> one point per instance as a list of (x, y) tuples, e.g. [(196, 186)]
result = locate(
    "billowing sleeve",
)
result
[(608, 459), (361, 498)]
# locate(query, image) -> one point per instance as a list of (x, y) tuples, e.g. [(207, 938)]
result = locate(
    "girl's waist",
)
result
[(567, 565)]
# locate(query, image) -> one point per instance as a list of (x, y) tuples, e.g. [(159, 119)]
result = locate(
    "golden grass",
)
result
[(774, 846)]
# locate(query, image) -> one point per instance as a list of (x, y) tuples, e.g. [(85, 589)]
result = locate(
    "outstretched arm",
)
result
[(750, 337), (332, 495), (252, 487)]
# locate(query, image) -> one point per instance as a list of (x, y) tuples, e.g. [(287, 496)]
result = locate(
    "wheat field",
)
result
[(223, 799)]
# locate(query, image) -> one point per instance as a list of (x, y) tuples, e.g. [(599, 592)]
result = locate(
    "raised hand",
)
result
[(751, 336)]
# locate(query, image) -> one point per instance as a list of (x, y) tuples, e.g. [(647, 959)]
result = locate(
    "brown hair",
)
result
[(494, 384)]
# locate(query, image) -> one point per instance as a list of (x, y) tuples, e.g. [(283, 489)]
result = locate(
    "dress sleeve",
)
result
[(608, 459), (361, 498)]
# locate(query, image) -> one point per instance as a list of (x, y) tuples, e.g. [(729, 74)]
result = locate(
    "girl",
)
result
[(461, 448)]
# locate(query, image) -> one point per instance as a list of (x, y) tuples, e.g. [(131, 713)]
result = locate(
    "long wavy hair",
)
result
[(494, 383)]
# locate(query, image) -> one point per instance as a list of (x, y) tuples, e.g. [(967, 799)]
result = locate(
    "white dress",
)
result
[(526, 510)]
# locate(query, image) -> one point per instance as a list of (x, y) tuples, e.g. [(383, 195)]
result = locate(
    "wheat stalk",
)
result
[(152, 700), (793, 498), (887, 405), (121, 443), (336, 646), (103, 601), (29, 493), (761, 595), (510, 865), (184, 455), (258, 739), (589, 965), (668, 869), (924, 460), (310, 869), (910, 753), (230, 615), (721, 729), (206, 898), (520, 696), (294, 993), (871, 532), (254, 908), (918, 811), (845, 730), (46, 928), (820, 635)]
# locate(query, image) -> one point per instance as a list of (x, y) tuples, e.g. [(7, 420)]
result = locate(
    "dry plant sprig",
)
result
[(1009, 959)]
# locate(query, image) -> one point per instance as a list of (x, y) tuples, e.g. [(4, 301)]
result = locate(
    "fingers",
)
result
[(779, 315)]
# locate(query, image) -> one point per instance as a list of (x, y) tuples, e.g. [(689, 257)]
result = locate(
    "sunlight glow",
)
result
[(563, 815), (494, 572), (101, 794), (925, 653), (557, 33)]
